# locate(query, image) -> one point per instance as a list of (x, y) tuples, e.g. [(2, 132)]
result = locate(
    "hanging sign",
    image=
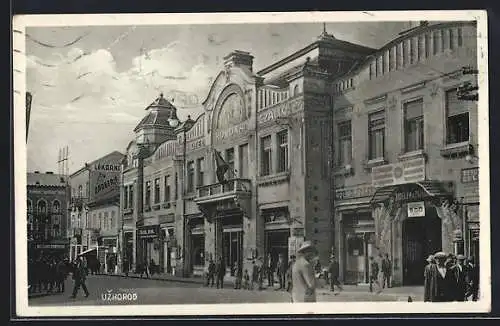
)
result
[(416, 209)]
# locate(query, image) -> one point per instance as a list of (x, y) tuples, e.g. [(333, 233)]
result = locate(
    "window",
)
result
[(345, 143), (296, 90), (167, 189), (266, 159), (459, 37), (80, 191), (190, 177), (451, 40), (56, 207), (42, 207), (87, 190), (427, 45), (125, 197), (243, 161), (100, 221), (436, 42), (414, 125), (376, 131), (131, 196), (443, 40), (200, 170), (457, 119), (372, 72), (230, 162), (112, 221), (157, 190), (283, 151), (106, 221), (147, 200), (94, 221), (176, 182)]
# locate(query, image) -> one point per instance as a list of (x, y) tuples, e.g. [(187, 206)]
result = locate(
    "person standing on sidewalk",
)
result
[(460, 273), (439, 282), (333, 270), (303, 277), (79, 276), (289, 273), (220, 271), (374, 277), (387, 271), (473, 278), (281, 271), (270, 270)]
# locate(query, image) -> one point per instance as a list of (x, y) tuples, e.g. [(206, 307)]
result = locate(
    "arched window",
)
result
[(296, 90), (56, 207), (42, 206), (29, 206)]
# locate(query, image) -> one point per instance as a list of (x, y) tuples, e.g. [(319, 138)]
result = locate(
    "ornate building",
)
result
[(47, 214)]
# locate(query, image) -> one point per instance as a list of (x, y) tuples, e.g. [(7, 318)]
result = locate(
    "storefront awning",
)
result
[(426, 189), (87, 251)]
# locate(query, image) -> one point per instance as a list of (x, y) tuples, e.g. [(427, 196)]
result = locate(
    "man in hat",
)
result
[(460, 273), (281, 271), (430, 261), (333, 270), (303, 278), (289, 273), (473, 278), (439, 282)]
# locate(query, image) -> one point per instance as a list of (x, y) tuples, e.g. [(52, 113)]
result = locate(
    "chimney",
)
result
[(239, 59)]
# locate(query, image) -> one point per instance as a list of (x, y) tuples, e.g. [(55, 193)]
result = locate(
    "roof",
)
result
[(159, 112), (46, 179)]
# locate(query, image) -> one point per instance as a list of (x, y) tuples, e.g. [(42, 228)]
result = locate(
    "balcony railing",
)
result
[(232, 186)]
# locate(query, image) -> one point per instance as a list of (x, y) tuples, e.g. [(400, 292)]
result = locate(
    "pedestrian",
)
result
[(289, 273), (143, 269), (220, 271), (61, 276), (270, 270), (255, 275), (260, 273), (211, 273), (460, 273), (152, 267), (387, 271), (281, 271), (80, 276), (238, 273), (473, 278), (333, 270), (303, 279), (246, 280), (126, 265), (439, 282), (374, 277)]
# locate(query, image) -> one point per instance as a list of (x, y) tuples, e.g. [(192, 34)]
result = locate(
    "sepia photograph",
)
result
[(319, 162)]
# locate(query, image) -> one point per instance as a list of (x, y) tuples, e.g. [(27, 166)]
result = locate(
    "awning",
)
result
[(86, 252), (430, 189)]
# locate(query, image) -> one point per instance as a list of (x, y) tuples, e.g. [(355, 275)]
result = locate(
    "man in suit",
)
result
[(439, 281), (374, 277), (460, 273), (473, 278), (79, 275), (281, 271), (270, 270), (220, 272), (289, 273), (386, 271), (303, 277), (333, 270)]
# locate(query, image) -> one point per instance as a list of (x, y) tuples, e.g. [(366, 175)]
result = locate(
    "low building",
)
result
[(47, 215), (406, 168)]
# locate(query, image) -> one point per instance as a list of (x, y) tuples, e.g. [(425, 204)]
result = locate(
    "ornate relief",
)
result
[(232, 111)]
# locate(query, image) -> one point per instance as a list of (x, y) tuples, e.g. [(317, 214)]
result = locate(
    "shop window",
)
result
[(200, 170), (190, 177), (283, 151), (198, 247), (376, 130), (244, 161), (157, 191), (167, 189), (355, 245), (414, 125), (345, 143), (147, 200), (266, 156), (457, 119)]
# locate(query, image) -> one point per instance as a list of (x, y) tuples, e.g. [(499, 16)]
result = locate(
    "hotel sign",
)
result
[(399, 173)]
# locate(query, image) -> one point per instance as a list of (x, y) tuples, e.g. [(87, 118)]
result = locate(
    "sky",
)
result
[(91, 84)]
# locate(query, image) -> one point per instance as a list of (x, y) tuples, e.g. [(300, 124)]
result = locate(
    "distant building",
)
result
[(47, 214)]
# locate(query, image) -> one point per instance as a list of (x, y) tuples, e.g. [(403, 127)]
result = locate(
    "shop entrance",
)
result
[(233, 249), (421, 238), (276, 243)]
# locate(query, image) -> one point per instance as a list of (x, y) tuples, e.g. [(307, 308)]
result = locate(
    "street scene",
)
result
[(253, 163)]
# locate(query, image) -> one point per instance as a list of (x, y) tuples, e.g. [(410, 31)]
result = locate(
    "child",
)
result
[(246, 280)]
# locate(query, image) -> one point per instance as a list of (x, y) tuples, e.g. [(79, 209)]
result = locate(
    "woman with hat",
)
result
[(439, 282), (303, 278)]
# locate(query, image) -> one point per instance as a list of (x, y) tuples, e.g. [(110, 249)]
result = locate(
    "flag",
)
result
[(222, 167), (28, 111)]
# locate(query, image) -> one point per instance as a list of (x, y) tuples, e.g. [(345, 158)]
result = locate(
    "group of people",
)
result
[(380, 272), (449, 277), (47, 274)]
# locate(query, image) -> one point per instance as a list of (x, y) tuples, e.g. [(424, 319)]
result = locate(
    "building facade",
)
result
[(272, 130), (47, 214), (94, 206), (406, 166)]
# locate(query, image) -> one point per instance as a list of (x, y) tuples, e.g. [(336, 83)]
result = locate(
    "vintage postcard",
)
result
[(193, 164)]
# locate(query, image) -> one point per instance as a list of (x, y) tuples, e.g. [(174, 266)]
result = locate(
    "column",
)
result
[(218, 233)]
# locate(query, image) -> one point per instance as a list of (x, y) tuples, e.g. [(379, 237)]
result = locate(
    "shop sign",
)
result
[(168, 218), (354, 192), (50, 246), (232, 132), (148, 232), (195, 144), (470, 175), (280, 110), (409, 196), (399, 173), (416, 209)]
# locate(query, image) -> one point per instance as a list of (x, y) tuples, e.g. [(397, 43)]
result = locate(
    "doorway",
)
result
[(233, 249), (276, 243), (421, 238)]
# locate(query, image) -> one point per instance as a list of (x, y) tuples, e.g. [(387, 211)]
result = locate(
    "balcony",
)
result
[(219, 191)]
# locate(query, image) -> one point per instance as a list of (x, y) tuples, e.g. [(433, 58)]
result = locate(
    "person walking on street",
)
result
[(144, 269), (79, 276), (387, 271), (374, 277), (255, 275), (211, 273), (439, 281), (304, 282), (460, 273), (333, 270), (60, 276), (270, 270), (289, 273), (281, 271), (238, 273), (220, 271)]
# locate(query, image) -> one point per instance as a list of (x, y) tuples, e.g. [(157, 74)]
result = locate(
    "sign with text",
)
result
[(105, 177), (416, 209), (281, 110), (232, 132), (399, 173), (470, 175), (354, 192), (148, 232)]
